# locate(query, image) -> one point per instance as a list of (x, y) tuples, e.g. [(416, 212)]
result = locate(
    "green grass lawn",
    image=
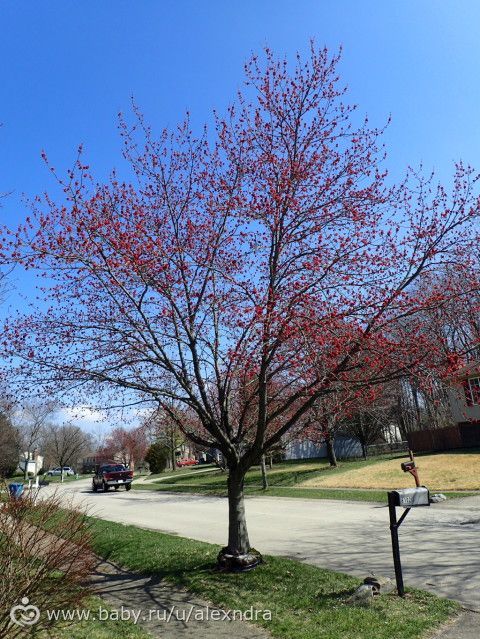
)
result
[(180, 471), (306, 602), (296, 493), (285, 480)]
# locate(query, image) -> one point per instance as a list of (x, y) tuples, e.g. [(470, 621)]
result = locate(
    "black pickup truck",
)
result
[(115, 475)]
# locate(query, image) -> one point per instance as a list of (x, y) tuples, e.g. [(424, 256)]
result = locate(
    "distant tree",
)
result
[(127, 446), (366, 426), (164, 430), (157, 457), (322, 423), (66, 444), (369, 421), (9, 446), (32, 419)]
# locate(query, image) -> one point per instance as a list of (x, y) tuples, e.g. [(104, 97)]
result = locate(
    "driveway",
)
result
[(439, 544)]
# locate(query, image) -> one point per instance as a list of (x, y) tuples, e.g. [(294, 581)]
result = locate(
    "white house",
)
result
[(464, 395), (33, 462)]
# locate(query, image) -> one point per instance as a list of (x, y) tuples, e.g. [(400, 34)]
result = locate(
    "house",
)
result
[(31, 462), (344, 447), (91, 463), (464, 401), (464, 395)]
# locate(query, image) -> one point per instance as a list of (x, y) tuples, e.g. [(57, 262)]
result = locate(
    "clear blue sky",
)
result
[(68, 67)]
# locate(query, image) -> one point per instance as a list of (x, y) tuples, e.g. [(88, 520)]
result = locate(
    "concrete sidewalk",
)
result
[(166, 611), (465, 626)]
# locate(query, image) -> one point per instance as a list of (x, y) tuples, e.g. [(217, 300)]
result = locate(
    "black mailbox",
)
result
[(410, 497), (405, 498)]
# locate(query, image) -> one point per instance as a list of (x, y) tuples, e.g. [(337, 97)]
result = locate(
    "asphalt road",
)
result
[(439, 544)]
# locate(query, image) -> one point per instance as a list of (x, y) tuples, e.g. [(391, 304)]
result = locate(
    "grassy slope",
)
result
[(440, 472), (180, 471), (288, 480), (306, 602), (296, 493)]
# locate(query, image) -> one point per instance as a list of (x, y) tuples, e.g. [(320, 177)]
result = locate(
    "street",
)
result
[(439, 544)]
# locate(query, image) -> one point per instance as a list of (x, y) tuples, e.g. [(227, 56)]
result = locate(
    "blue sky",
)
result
[(68, 67)]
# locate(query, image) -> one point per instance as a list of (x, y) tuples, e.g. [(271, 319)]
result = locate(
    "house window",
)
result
[(472, 391)]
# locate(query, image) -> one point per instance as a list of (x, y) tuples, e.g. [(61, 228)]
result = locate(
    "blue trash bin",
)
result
[(15, 490)]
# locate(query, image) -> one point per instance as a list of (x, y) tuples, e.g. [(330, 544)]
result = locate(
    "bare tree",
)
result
[(32, 419), (369, 421), (66, 444)]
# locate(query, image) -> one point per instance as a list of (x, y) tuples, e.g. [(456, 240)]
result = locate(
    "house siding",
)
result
[(344, 447), (460, 410)]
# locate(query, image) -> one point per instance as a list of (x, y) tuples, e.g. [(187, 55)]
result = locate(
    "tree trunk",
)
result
[(416, 400), (238, 542), (173, 449), (237, 555), (363, 437), (332, 458), (25, 470), (264, 474)]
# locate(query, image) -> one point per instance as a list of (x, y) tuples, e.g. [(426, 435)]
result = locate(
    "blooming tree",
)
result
[(128, 446), (248, 273)]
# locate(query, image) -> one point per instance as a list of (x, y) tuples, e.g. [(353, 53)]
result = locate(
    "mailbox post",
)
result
[(407, 498)]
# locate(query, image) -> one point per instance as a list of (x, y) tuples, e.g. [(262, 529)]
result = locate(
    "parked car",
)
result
[(58, 471), (115, 475), (187, 461)]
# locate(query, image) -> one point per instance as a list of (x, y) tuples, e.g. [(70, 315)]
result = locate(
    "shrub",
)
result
[(36, 564), (9, 446), (157, 457)]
